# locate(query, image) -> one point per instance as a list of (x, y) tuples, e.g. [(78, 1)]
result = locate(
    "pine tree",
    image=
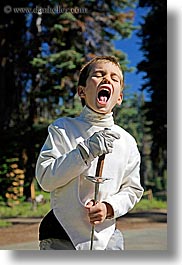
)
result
[(71, 39), (46, 51), (154, 45)]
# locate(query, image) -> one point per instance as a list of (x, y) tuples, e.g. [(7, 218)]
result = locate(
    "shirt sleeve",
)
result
[(58, 162), (131, 190)]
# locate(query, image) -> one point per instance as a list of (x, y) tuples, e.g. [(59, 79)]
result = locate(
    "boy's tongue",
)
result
[(103, 96), (103, 99)]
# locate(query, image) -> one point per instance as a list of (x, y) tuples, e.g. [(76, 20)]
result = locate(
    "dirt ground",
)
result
[(28, 231), (18, 233)]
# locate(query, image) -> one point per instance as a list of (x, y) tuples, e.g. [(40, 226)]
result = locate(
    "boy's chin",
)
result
[(100, 110)]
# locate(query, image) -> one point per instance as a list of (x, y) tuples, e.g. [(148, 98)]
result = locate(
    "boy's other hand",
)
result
[(98, 212)]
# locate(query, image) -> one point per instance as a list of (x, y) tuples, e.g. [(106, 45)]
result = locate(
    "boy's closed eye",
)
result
[(114, 77), (98, 74)]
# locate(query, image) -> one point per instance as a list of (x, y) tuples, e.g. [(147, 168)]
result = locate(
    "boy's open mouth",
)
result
[(103, 95)]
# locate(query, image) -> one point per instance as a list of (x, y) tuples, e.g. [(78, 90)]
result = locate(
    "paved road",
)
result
[(147, 231), (135, 239)]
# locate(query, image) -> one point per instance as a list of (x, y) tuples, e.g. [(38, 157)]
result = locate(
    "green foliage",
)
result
[(39, 73), (25, 209), (67, 16), (154, 65), (4, 223), (73, 38), (58, 27), (38, 62), (146, 205), (6, 176), (129, 116)]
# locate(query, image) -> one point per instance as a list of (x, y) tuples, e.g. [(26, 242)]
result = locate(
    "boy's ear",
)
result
[(81, 91), (120, 99)]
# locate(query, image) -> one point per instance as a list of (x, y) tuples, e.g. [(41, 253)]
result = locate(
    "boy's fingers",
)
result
[(112, 133), (89, 204)]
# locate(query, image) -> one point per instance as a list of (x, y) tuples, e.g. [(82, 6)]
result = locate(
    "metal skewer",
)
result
[(97, 179)]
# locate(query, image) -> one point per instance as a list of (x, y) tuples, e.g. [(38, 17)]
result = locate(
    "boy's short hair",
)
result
[(84, 72)]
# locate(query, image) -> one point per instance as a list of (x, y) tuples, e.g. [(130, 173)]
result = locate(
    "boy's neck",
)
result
[(97, 119), (97, 112)]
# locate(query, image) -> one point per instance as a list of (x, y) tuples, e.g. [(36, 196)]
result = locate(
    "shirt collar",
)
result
[(97, 119)]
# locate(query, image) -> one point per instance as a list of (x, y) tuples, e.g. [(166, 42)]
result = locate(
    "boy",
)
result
[(70, 154)]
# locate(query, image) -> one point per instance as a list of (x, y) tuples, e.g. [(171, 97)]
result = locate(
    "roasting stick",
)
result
[(98, 180)]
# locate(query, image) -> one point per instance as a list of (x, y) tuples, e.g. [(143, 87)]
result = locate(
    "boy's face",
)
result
[(103, 87)]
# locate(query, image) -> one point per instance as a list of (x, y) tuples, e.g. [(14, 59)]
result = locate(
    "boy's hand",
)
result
[(102, 142), (98, 144), (99, 212)]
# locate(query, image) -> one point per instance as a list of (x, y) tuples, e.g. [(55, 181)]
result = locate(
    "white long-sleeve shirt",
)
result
[(62, 171)]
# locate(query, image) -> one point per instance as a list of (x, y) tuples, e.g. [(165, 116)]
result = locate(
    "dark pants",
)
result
[(116, 242)]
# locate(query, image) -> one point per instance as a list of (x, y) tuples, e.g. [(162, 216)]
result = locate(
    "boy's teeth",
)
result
[(104, 99)]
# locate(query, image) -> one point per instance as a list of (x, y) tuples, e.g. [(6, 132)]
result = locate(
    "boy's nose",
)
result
[(106, 80)]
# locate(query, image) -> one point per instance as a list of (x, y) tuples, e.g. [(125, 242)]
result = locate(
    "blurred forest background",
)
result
[(40, 58)]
